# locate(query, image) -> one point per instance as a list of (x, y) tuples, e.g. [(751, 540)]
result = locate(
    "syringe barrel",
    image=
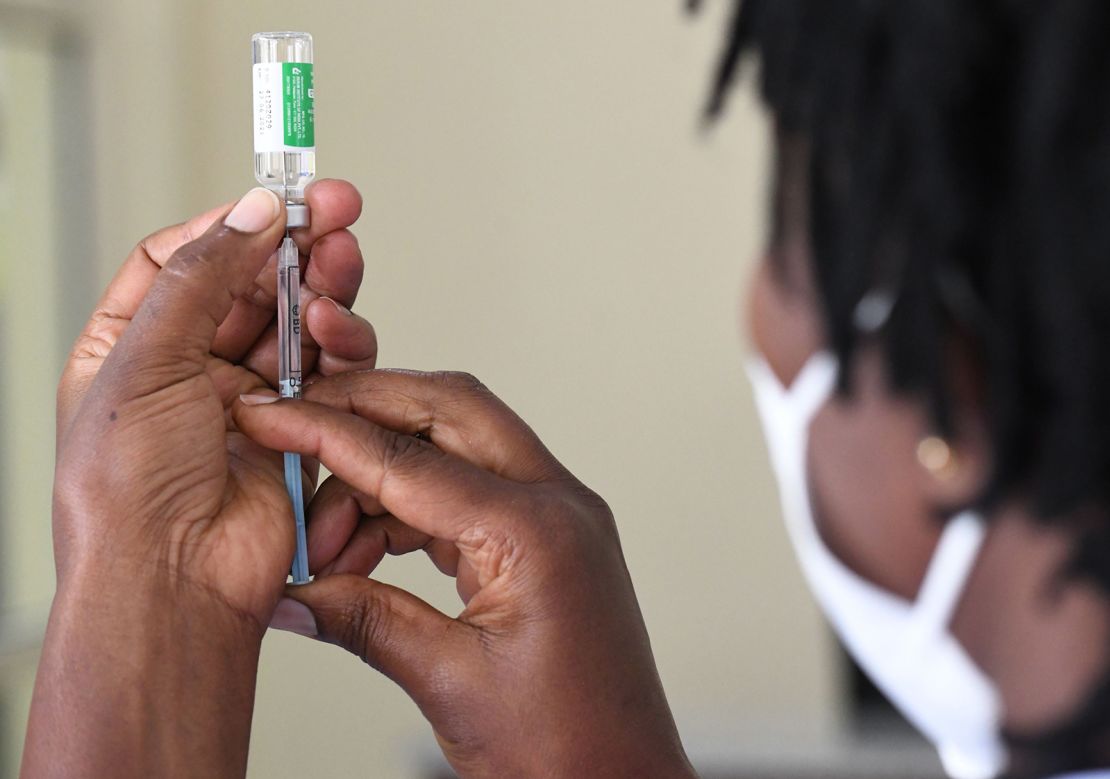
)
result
[(289, 320), (284, 113)]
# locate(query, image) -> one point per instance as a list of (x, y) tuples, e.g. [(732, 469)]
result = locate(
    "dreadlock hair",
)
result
[(959, 160)]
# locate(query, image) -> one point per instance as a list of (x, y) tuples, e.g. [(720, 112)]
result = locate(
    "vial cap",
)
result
[(296, 216)]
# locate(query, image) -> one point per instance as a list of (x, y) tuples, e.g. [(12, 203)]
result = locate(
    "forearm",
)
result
[(144, 682)]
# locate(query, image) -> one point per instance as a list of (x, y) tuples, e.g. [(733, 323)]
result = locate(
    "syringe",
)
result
[(285, 161), (289, 382)]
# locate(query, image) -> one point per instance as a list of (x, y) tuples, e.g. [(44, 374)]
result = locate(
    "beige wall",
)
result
[(30, 348), (541, 210)]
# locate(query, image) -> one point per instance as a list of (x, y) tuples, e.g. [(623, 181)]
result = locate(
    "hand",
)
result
[(173, 532), (143, 432), (548, 670)]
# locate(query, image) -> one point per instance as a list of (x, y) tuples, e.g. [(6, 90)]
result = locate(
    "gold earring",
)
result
[(937, 457)]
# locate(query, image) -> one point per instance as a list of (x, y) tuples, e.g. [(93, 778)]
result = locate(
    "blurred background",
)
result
[(542, 209)]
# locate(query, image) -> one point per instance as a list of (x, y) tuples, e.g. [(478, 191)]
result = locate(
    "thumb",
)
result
[(173, 329), (390, 629)]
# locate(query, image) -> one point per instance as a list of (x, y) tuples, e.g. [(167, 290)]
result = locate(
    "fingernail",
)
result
[(259, 399), (340, 308), (294, 617), (256, 211)]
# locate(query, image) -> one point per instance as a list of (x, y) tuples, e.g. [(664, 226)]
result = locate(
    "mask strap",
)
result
[(945, 580), (811, 388)]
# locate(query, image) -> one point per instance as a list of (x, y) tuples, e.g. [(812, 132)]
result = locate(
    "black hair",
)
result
[(958, 159)]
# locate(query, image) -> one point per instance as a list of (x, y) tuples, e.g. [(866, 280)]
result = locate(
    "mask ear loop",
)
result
[(948, 573)]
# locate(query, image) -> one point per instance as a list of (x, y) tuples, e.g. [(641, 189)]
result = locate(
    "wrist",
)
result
[(150, 597), (144, 677), (651, 753), (647, 762)]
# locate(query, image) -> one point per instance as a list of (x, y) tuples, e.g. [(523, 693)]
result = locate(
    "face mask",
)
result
[(905, 647)]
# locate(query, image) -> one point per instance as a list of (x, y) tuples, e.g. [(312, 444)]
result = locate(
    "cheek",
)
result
[(745, 315), (869, 506), (783, 323), (750, 304)]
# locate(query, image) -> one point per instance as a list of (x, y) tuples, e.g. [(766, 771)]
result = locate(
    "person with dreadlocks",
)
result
[(930, 328), (931, 320)]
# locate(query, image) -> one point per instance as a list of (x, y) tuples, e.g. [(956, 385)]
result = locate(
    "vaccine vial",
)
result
[(284, 117)]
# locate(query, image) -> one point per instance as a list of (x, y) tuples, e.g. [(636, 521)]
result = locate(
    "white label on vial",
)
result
[(269, 119)]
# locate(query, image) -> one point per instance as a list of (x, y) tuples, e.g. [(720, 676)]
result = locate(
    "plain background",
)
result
[(542, 209)]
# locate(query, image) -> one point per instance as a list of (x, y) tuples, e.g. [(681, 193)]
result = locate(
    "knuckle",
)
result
[(339, 389), (460, 382), (605, 521), (96, 342), (259, 296), (190, 267), (104, 329), (575, 514), (190, 258), (324, 389), (399, 451), (213, 252), (363, 626), (199, 269), (594, 505), (500, 548), (597, 513), (156, 245)]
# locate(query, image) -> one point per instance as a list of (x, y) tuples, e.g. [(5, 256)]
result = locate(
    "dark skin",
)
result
[(171, 529), (173, 534), (548, 670), (1040, 638)]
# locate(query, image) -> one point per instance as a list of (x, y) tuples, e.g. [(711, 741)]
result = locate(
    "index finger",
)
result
[(453, 410), (423, 486), (332, 205), (335, 267)]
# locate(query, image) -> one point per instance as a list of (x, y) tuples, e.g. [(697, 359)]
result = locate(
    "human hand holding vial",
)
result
[(285, 162)]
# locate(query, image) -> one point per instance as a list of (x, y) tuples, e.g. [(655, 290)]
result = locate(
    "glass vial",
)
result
[(284, 113)]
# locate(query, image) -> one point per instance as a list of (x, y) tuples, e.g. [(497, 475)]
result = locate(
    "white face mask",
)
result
[(905, 647)]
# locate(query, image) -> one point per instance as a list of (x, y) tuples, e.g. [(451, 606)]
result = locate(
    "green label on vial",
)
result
[(300, 112)]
